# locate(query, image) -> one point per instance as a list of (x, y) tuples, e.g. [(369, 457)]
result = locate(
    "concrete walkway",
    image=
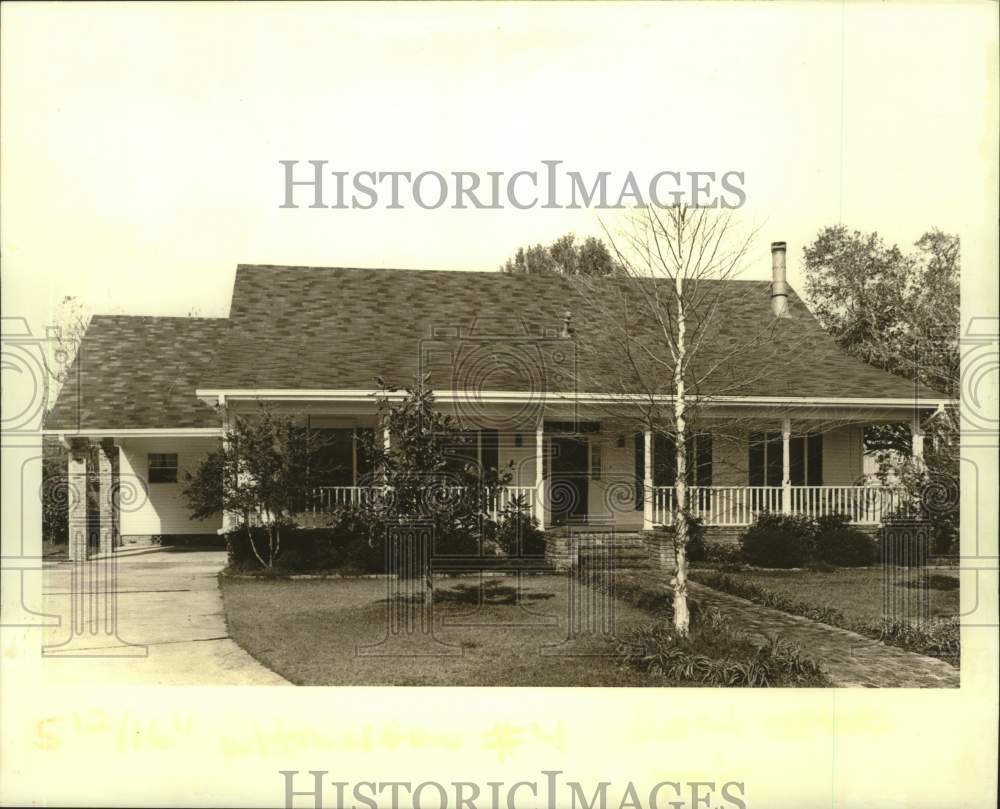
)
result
[(161, 622), (852, 660)]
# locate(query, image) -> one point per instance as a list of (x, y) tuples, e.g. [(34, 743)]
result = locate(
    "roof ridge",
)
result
[(184, 318), (496, 273)]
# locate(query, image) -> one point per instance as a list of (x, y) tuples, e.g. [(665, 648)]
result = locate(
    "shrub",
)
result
[(696, 549), (714, 655), (845, 546), (344, 545), (517, 534), (937, 638), (778, 540), (830, 522), (724, 555), (908, 547)]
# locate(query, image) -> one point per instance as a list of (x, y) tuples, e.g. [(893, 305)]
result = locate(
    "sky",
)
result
[(140, 143)]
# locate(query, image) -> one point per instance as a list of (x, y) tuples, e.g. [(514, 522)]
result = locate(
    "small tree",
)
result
[(263, 472), (662, 314), (427, 472)]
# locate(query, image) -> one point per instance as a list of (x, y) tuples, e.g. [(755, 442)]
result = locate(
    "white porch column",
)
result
[(76, 500), (917, 439), (539, 474), (786, 465), (647, 480), (229, 520), (107, 454)]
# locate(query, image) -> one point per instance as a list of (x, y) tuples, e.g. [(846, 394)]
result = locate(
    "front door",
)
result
[(569, 479)]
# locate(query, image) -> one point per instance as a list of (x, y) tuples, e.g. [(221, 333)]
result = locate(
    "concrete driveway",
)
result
[(144, 619)]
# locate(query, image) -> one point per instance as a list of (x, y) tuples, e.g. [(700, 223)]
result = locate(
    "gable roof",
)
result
[(138, 373), (337, 328)]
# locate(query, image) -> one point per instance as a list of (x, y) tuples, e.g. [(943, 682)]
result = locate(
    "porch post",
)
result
[(228, 521), (647, 480), (76, 500), (786, 465), (106, 453), (539, 474), (917, 439)]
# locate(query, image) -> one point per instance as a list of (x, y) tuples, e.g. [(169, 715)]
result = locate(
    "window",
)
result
[(476, 451), (162, 467), (805, 459), (699, 460), (595, 461), (332, 456)]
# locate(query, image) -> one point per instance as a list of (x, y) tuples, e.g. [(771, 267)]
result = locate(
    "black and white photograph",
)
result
[(499, 404)]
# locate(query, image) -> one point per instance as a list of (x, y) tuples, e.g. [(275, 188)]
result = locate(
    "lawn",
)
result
[(490, 631), (857, 592)]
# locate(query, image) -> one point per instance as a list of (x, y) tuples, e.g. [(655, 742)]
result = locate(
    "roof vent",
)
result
[(567, 329), (779, 289)]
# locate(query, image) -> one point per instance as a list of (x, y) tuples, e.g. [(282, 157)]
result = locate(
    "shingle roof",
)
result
[(139, 372), (340, 328)]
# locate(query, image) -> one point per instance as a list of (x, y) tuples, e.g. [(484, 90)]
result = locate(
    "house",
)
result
[(523, 361)]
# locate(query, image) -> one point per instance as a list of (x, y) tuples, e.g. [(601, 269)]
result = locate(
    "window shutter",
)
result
[(774, 459), (755, 464), (703, 455), (364, 469), (640, 470), (814, 459), (797, 460), (489, 447), (664, 460)]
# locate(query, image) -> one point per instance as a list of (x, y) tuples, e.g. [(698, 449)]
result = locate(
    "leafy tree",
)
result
[(427, 470), (894, 310), (565, 256), (263, 473), (900, 312)]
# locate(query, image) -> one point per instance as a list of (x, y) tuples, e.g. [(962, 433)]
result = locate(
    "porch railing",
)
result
[(330, 498), (865, 505), (739, 505)]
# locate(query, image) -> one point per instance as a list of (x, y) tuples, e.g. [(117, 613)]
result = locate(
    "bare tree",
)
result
[(67, 330), (670, 356)]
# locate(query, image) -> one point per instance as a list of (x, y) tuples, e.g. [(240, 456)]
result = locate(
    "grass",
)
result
[(855, 592), (924, 604), (502, 631), (495, 634)]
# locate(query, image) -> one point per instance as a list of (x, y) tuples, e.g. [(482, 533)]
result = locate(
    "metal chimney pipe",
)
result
[(779, 289)]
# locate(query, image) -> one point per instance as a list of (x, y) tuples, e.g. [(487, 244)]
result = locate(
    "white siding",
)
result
[(730, 458), (160, 508), (843, 453)]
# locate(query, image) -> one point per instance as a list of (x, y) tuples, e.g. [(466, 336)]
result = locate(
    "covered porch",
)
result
[(593, 469)]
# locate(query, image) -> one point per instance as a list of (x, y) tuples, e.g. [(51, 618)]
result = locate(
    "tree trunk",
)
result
[(682, 618)]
